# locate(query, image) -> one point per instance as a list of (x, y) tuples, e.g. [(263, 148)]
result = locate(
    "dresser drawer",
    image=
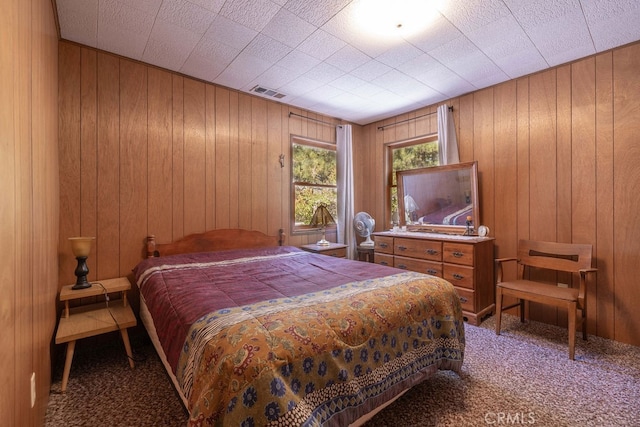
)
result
[(421, 266), (383, 259), (459, 275), (467, 299), (457, 253), (384, 244), (423, 249)]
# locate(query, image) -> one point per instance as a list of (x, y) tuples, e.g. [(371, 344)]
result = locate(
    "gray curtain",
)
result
[(447, 141), (346, 233)]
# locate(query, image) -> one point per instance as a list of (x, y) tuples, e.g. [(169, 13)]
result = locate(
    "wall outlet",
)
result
[(33, 389), (563, 285)]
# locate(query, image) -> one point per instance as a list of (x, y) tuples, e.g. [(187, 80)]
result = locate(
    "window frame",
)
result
[(389, 147), (300, 140)]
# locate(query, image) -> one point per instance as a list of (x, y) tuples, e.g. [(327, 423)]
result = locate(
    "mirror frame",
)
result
[(472, 167)]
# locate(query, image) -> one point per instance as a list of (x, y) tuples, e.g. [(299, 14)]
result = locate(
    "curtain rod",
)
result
[(291, 113), (412, 118)]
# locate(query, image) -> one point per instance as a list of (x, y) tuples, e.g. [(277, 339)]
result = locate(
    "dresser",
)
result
[(337, 250), (465, 261)]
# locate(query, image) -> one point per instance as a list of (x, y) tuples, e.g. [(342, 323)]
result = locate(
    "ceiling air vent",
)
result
[(267, 92)]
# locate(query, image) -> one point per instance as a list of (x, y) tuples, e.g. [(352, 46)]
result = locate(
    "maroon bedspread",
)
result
[(177, 296)]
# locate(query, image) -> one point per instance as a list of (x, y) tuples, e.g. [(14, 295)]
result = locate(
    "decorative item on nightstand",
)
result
[(81, 247), (322, 217), (364, 225)]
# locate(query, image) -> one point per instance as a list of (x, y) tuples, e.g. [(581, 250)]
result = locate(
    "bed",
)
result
[(253, 332)]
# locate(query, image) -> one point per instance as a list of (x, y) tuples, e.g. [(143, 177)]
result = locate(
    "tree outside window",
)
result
[(414, 154), (314, 180)]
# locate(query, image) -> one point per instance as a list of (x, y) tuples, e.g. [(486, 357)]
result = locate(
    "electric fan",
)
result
[(364, 224)]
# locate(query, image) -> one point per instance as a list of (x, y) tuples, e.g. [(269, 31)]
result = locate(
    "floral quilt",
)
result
[(323, 357)]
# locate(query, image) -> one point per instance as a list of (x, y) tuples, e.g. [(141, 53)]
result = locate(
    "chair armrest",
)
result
[(587, 270), (499, 262), (583, 282)]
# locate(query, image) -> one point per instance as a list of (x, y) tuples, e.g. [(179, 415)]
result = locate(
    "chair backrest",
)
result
[(569, 257)]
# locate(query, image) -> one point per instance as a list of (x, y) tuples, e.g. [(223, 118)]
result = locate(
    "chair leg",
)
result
[(584, 323), (571, 309), (521, 311), (498, 308)]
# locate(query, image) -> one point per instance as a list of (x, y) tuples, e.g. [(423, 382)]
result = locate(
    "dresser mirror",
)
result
[(439, 198)]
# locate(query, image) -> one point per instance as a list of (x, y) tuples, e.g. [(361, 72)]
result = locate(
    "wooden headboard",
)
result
[(214, 240)]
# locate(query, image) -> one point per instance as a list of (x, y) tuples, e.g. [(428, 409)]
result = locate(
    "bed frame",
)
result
[(214, 240)]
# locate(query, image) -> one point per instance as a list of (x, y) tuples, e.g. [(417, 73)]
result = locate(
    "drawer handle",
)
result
[(402, 266), (402, 248), (383, 245), (383, 263), (432, 252), (463, 299), (432, 271), (458, 276), (458, 254)]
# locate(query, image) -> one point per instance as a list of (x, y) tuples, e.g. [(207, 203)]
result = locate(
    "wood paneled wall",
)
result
[(146, 151), (29, 207), (559, 159)]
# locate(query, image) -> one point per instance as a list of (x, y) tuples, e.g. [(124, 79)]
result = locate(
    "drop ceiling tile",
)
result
[(266, 48), (254, 14), (602, 16), (274, 78), (230, 33), (116, 16), (348, 58), (300, 86), (212, 5), (288, 28), (399, 54), (468, 15), (321, 45), (213, 51), (439, 32), (150, 7), (298, 61), (121, 42), (242, 71), (316, 12), (367, 90), (418, 65), (324, 73), (370, 70), (186, 15), (169, 45), (347, 82), (453, 50), (78, 20), (202, 68)]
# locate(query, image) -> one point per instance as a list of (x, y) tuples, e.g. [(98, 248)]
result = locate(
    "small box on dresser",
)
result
[(465, 261)]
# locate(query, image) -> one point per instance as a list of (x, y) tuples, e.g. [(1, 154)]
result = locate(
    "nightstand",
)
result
[(332, 249), (365, 253), (94, 319)]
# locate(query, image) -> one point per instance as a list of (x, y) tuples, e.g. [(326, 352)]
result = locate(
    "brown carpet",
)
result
[(522, 377)]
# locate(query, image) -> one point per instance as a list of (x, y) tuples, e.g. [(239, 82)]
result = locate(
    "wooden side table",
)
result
[(365, 253), (94, 319), (333, 249)]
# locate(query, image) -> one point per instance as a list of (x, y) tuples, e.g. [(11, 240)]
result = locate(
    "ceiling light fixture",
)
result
[(396, 18)]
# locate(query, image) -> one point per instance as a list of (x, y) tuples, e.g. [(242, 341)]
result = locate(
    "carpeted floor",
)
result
[(523, 376)]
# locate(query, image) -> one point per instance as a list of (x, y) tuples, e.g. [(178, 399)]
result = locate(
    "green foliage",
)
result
[(411, 157), (315, 181)]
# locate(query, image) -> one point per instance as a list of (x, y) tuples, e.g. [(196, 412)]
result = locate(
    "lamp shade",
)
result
[(81, 246), (322, 216), (410, 205)]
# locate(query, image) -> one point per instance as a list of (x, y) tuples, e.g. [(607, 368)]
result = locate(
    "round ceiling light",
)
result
[(399, 18)]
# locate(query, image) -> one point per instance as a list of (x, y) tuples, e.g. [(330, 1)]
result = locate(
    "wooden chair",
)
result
[(554, 258)]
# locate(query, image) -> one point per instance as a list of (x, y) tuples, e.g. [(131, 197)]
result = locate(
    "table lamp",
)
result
[(81, 247), (322, 217)]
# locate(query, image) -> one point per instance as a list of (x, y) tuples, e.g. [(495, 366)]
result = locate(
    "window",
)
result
[(414, 154), (314, 180)]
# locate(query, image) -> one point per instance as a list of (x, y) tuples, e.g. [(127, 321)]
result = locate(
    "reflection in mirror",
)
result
[(439, 198)]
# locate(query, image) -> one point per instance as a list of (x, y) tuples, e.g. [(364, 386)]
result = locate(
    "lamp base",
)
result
[(81, 273), (323, 242)]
